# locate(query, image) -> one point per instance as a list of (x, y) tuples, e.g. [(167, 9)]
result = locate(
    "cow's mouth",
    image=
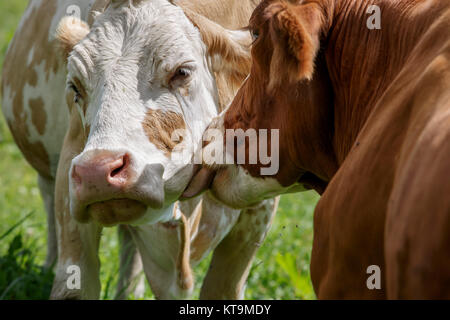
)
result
[(116, 211), (312, 182)]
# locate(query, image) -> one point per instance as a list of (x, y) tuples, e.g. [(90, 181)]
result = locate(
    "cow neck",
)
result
[(362, 63), (303, 114), (313, 144)]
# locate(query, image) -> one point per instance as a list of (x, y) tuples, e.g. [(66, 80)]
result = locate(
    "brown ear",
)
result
[(295, 33), (230, 47), (70, 32), (230, 54)]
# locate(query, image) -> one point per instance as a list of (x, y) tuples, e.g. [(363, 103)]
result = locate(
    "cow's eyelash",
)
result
[(255, 34), (73, 87), (182, 72)]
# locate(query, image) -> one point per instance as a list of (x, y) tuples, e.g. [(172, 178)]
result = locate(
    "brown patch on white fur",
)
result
[(38, 114), (160, 125), (33, 38), (70, 32)]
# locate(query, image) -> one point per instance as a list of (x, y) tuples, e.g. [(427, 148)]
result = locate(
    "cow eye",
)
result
[(182, 73), (77, 95), (255, 34)]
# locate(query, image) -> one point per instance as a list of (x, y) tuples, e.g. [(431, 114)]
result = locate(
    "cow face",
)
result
[(283, 98), (142, 80)]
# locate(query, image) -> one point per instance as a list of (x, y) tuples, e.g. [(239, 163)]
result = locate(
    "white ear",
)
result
[(70, 32)]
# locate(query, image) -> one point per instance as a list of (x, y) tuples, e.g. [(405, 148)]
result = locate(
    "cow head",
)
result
[(286, 101), (142, 82)]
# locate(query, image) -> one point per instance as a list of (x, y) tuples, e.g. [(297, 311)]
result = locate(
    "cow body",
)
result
[(364, 120), (68, 149), (33, 71)]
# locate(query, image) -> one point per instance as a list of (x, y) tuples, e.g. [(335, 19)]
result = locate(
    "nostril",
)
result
[(121, 166)]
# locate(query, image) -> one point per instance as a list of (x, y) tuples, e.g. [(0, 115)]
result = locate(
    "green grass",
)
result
[(280, 270)]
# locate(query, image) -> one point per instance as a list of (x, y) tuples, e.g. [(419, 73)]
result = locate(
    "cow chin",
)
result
[(236, 188), (120, 209), (113, 212)]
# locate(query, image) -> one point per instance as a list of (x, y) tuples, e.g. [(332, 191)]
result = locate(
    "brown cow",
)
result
[(364, 119)]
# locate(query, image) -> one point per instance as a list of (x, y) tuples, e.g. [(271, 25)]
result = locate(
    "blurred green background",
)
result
[(280, 271)]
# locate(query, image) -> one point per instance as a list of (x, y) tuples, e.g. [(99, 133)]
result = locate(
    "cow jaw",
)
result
[(233, 186)]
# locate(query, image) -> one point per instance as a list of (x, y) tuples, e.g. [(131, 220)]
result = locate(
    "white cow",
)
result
[(109, 133)]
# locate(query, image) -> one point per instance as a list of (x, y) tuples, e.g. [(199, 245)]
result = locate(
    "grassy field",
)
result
[(280, 271)]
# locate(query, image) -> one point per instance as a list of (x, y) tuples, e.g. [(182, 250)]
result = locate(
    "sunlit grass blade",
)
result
[(18, 224)]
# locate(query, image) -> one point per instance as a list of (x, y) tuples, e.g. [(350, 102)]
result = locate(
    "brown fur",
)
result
[(234, 54), (38, 115), (70, 32), (296, 34), (232, 15), (159, 127), (372, 127), (185, 277)]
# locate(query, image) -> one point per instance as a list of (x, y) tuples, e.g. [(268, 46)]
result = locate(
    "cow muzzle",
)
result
[(105, 188)]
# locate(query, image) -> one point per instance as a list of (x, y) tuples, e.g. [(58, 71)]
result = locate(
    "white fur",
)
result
[(236, 188), (124, 64)]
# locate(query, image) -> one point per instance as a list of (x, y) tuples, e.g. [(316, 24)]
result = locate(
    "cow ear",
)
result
[(229, 49), (295, 33), (70, 32)]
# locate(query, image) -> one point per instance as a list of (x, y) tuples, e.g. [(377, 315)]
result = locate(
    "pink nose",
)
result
[(107, 172)]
